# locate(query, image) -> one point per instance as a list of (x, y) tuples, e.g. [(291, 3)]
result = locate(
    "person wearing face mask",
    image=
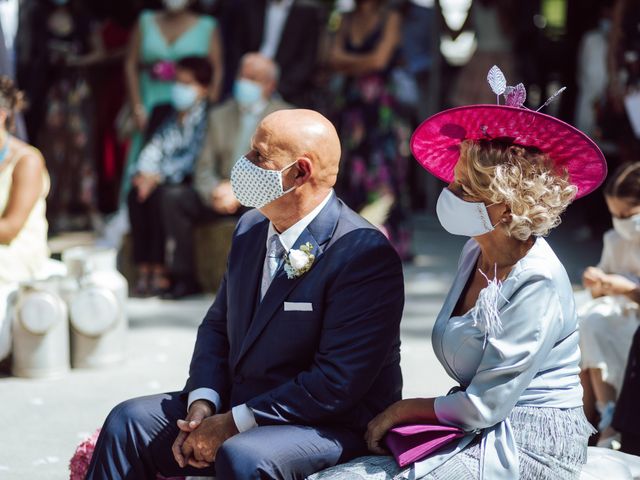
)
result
[(286, 31), (229, 130), (166, 162), (158, 41), (592, 76), (507, 331), (608, 323), (301, 347)]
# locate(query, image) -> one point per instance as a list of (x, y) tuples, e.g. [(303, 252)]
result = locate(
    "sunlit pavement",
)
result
[(41, 421)]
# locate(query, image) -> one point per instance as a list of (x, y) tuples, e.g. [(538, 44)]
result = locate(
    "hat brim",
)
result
[(436, 142)]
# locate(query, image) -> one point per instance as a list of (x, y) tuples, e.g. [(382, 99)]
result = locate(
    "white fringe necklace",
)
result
[(486, 315)]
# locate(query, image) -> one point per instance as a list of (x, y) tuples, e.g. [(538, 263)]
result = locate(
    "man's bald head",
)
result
[(305, 133)]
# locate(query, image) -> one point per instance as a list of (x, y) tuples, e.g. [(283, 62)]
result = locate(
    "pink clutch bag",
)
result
[(410, 443)]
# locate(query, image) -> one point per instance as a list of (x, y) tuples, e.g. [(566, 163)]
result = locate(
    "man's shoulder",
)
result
[(223, 109), (354, 230), (276, 104), (249, 220)]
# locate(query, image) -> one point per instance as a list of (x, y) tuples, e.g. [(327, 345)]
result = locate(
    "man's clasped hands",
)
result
[(201, 435)]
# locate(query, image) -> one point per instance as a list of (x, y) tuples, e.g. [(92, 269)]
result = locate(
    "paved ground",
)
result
[(41, 421)]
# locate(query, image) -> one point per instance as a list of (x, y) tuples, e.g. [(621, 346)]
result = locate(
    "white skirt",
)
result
[(607, 326)]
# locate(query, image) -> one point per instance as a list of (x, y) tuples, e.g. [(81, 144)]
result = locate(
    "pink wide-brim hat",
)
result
[(436, 142)]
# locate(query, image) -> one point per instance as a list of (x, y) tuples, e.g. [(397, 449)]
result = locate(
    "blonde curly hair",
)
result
[(522, 178)]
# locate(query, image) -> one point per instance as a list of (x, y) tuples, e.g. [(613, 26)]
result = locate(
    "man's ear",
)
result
[(304, 168)]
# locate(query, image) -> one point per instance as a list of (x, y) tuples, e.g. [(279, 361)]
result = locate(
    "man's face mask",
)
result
[(247, 92), (256, 187)]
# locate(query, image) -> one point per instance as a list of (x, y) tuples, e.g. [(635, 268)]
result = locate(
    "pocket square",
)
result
[(298, 307)]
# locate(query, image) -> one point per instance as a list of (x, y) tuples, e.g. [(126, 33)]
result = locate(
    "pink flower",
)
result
[(79, 464), (82, 457), (164, 70)]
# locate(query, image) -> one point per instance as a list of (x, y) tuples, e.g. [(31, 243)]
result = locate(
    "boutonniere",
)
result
[(299, 262)]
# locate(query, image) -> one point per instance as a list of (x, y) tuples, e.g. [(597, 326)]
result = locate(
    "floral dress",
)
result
[(375, 143)]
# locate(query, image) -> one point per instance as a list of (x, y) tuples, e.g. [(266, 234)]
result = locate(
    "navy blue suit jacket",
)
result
[(338, 364)]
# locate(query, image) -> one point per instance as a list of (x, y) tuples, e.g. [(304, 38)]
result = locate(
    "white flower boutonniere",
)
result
[(299, 262)]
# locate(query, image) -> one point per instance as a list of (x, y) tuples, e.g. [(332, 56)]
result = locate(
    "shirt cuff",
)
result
[(204, 394), (243, 418)]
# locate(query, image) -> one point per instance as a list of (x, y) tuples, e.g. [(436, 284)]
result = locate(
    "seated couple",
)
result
[(296, 368)]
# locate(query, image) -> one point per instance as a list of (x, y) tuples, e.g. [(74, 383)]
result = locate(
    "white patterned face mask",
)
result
[(254, 186), (459, 217)]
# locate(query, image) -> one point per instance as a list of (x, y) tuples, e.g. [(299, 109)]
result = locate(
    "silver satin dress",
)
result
[(516, 357)]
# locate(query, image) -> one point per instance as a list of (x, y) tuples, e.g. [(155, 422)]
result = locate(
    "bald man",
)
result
[(300, 349)]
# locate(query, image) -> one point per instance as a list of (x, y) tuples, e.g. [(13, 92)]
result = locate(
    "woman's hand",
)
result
[(140, 117), (145, 184), (601, 284), (378, 428), (592, 279), (413, 410), (618, 285)]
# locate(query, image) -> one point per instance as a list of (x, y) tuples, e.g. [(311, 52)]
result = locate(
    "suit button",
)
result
[(238, 379)]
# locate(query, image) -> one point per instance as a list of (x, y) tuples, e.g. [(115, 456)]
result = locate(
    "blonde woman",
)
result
[(507, 331)]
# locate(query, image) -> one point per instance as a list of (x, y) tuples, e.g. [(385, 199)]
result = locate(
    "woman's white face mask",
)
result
[(628, 228), (458, 217)]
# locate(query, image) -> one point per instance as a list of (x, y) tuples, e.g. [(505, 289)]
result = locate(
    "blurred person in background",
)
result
[(165, 161), (286, 31), (158, 41), (624, 76), (608, 323), (626, 419), (59, 119), (492, 22), (229, 131), (592, 78), (9, 19), (374, 138), (24, 184), (110, 37)]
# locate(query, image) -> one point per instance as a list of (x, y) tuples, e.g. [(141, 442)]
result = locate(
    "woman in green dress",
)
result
[(160, 39)]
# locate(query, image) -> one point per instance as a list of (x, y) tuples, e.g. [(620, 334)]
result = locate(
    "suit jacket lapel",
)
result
[(246, 285), (318, 234)]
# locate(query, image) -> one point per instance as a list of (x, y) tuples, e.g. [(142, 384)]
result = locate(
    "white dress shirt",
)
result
[(242, 415), (274, 21)]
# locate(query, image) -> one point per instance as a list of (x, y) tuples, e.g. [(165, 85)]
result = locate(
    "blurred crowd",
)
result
[(98, 77)]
